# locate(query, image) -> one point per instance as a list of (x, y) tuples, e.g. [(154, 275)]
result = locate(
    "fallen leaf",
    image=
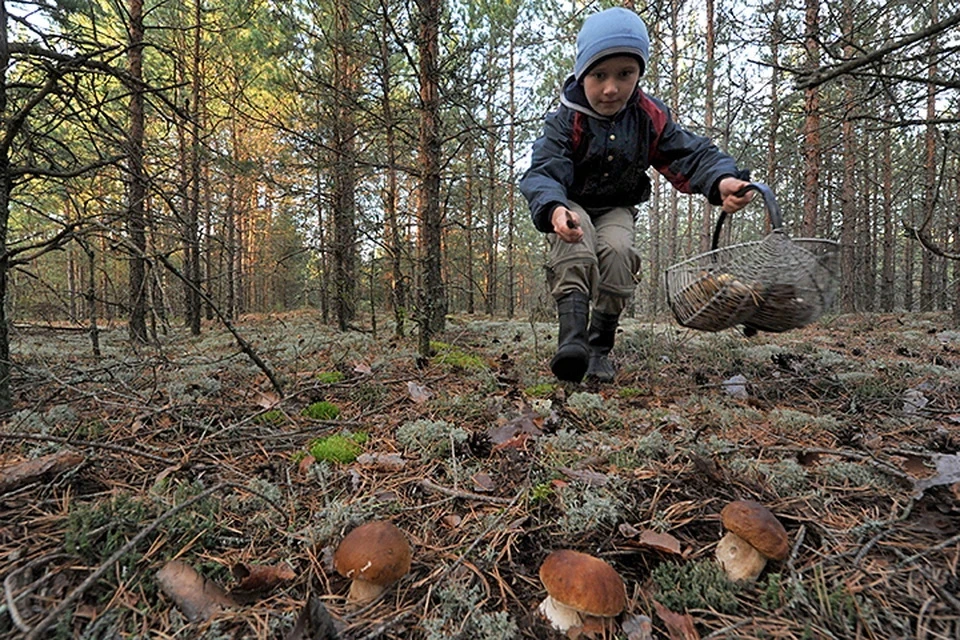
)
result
[(363, 368), (267, 399), (517, 442), (637, 627), (382, 461), (482, 482), (256, 580), (418, 393), (524, 424), (591, 478), (453, 520), (679, 625), (628, 530), (313, 623), (18, 475), (948, 472), (305, 464), (658, 541), (198, 598)]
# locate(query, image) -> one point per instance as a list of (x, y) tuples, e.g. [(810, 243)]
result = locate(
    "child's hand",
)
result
[(729, 186), (566, 224)]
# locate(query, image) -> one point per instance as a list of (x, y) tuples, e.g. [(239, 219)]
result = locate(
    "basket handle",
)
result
[(773, 209)]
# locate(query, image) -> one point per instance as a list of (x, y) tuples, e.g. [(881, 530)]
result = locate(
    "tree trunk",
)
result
[(433, 304), (706, 229), (6, 187), (888, 269), (398, 294), (344, 175), (850, 283), (490, 298), (929, 169), (192, 231), (811, 124), (511, 182), (136, 218)]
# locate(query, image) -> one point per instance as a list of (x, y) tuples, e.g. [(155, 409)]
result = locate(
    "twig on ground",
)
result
[(460, 493)]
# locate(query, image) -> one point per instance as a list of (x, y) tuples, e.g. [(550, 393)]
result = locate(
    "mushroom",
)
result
[(754, 535), (374, 556), (579, 585)]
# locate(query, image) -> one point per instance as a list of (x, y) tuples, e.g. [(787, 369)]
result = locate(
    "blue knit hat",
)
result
[(611, 32)]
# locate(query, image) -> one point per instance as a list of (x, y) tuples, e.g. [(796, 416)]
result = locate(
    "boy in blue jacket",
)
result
[(589, 171)]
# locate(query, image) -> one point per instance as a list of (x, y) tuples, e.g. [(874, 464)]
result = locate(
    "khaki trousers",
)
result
[(604, 265)]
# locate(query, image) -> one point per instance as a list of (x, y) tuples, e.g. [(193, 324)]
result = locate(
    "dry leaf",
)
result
[(255, 580), (591, 478), (679, 625), (198, 598), (453, 520), (363, 368), (659, 541), (637, 627), (18, 475), (384, 461), (482, 482), (267, 399), (628, 530), (417, 393), (313, 623), (523, 424)]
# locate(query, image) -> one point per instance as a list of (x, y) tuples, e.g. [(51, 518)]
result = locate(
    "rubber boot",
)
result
[(603, 332), (572, 358)]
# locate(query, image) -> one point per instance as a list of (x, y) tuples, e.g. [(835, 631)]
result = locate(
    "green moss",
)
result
[(542, 390), (322, 410), (329, 377), (274, 417), (338, 448), (456, 358), (630, 393), (695, 585)]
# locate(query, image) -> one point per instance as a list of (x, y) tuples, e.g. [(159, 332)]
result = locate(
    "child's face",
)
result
[(610, 83)]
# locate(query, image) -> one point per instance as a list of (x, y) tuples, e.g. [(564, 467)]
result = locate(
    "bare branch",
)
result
[(820, 76)]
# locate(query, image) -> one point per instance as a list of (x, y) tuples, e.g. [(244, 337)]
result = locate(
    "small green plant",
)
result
[(694, 585), (274, 417), (541, 492), (339, 447), (542, 390), (322, 410), (630, 393), (585, 403), (329, 377)]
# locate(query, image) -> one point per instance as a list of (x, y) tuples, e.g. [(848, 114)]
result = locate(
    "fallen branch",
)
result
[(458, 493)]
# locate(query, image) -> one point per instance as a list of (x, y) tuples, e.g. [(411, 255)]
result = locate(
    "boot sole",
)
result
[(571, 365)]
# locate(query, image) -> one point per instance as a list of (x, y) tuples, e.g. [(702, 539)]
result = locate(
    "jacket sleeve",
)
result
[(692, 163), (545, 183)]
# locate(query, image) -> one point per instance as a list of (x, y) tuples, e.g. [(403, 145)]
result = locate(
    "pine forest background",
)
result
[(166, 162)]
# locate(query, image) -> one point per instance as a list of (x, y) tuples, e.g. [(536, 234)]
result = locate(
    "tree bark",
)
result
[(811, 124), (433, 303), (136, 219)]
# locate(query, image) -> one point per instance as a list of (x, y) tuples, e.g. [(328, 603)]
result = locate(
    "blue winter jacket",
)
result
[(601, 162)]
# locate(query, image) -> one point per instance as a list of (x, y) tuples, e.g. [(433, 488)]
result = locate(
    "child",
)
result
[(588, 172)]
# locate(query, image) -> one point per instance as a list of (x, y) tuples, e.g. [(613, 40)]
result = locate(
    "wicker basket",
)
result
[(775, 284)]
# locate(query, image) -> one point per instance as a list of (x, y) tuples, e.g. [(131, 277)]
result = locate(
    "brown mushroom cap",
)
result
[(583, 582), (758, 526), (377, 552)]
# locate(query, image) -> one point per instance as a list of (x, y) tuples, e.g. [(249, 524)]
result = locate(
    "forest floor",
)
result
[(847, 430)]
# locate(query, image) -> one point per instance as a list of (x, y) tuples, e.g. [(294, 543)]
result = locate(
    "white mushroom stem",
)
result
[(739, 558), (561, 616), (362, 591)]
